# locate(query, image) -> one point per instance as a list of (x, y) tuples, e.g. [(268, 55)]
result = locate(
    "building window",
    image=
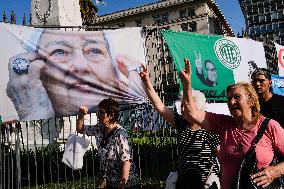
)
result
[(255, 19), (263, 29), (260, 10), (261, 19), (161, 18), (280, 14), (121, 25), (275, 26), (191, 13), (157, 19), (165, 17), (251, 31), (269, 28), (267, 18), (138, 23), (189, 26), (274, 16), (257, 30), (187, 13), (249, 9), (182, 14), (281, 26), (266, 9)]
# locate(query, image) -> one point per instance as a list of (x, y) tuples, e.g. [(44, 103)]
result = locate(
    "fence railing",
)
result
[(31, 152)]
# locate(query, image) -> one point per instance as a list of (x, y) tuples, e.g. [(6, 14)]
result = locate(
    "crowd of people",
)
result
[(203, 138), (210, 147), (78, 71)]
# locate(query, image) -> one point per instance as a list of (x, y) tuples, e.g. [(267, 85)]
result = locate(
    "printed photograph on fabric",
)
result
[(208, 74), (67, 69), (252, 66)]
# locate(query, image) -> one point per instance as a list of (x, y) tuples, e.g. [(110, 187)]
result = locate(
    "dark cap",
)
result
[(261, 71)]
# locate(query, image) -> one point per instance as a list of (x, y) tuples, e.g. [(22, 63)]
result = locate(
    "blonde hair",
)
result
[(251, 93)]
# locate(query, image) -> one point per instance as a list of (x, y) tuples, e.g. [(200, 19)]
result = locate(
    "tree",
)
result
[(88, 11)]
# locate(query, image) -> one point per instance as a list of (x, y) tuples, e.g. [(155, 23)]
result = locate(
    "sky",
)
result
[(230, 9)]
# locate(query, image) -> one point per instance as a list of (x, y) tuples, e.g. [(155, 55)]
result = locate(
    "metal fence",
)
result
[(31, 152)]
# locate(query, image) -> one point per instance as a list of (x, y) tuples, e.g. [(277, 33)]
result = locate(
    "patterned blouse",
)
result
[(112, 153)]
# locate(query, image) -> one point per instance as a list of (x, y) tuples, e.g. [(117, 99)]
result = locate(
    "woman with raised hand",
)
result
[(196, 147), (237, 132), (113, 146)]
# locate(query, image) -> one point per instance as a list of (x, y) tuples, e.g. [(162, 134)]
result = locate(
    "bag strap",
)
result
[(211, 171), (261, 130)]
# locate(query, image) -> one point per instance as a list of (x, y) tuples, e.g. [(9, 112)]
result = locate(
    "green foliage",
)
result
[(88, 11), (154, 156)]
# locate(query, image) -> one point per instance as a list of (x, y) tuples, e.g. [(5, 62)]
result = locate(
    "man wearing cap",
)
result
[(271, 105)]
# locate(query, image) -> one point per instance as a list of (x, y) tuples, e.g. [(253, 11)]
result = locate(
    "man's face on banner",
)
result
[(211, 71), (77, 66)]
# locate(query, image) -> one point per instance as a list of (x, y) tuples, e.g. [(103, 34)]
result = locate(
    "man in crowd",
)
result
[(271, 105)]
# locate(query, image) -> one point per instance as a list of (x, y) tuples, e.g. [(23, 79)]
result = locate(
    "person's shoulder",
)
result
[(208, 134), (273, 125), (179, 120), (278, 97), (121, 131), (177, 116), (218, 116)]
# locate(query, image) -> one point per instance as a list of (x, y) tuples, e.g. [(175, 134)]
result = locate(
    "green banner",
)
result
[(209, 75)]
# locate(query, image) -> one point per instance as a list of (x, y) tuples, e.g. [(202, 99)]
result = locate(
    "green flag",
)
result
[(216, 61)]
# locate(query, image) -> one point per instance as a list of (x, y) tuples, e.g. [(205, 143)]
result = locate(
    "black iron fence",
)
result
[(31, 152)]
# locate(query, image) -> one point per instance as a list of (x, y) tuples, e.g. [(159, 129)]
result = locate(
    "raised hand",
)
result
[(130, 68), (25, 88), (186, 74), (189, 110), (198, 62), (83, 110), (144, 73)]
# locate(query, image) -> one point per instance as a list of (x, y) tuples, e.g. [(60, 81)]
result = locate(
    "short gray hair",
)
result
[(199, 99)]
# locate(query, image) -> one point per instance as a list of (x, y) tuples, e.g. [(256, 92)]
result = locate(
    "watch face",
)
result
[(21, 66)]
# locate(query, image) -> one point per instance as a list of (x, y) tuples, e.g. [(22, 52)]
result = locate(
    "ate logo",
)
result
[(281, 57), (228, 53)]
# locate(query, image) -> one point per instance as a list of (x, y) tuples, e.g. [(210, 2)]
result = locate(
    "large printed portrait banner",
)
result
[(216, 61), (46, 73), (280, 57)]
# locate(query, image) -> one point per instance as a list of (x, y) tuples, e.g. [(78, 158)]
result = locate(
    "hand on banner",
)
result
[(25, 88), (198, 62), (189, 110), (130, 68), (145, 72), (83, 110), (186, 74)]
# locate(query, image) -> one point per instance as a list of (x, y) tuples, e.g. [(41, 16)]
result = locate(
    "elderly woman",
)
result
[(196, 147), (114, 149), (237, 132)]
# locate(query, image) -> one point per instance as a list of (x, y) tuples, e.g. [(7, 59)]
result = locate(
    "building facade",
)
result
[(264, 19), (201, 16)]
